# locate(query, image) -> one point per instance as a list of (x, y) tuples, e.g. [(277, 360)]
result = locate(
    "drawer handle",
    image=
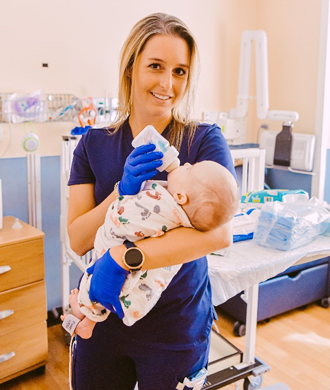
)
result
[(6, 356), (4, 268), (6, 313)]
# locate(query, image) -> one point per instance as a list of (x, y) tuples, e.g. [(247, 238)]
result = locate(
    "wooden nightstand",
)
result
[(23, 308)]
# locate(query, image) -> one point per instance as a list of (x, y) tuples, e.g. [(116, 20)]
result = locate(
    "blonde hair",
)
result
[(142, 31)]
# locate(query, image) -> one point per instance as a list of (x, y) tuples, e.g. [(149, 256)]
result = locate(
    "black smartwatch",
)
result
[(133, 257)]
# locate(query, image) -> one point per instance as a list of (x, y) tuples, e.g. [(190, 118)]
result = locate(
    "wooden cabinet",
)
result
[(23, 308)]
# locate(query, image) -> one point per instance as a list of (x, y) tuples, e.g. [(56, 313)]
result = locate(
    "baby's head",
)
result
[(207, 191)]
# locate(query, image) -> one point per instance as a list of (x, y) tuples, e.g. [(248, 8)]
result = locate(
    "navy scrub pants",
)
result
[(108, 362)]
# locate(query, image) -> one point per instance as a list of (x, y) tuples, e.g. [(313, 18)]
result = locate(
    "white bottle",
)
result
[(149, 135)]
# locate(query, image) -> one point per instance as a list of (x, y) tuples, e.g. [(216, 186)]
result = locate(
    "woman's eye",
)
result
[(180, 72), (154, 66)]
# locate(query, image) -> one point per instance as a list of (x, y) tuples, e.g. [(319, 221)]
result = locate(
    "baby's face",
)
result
[(179, 179)]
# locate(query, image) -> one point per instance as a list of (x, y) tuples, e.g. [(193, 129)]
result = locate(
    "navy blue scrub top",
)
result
[(183, 315)]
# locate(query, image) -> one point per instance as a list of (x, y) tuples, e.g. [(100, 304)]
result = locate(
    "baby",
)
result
[(203, 196)]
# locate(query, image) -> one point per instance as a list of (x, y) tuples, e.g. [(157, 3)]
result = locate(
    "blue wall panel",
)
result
[(286, 180), (13, 174), (51, 210)]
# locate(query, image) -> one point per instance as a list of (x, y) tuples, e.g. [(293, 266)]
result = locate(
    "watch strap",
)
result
[(129, 244)]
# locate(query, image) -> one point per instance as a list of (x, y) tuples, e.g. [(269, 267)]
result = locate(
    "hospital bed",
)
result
[(227, 364), (240, 271)]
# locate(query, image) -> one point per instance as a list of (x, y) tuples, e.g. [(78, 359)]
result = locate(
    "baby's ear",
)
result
[(180, 199)]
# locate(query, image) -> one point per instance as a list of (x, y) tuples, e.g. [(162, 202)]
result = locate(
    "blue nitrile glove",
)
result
[(80, 130), (107, 282), (140, 166)]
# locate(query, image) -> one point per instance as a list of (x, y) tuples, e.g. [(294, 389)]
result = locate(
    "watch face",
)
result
[(133, 257)]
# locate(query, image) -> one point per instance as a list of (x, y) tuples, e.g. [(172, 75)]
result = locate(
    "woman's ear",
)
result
[(180, 199)]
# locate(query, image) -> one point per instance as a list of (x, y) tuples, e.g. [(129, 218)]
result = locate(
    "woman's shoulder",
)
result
[(207, 128), (208, 132), (100, 136), (93, 133), (210, 144)]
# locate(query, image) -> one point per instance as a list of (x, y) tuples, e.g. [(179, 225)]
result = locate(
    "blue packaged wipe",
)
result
[(242, 237), (287, 226), (244, 224), (264, 196)]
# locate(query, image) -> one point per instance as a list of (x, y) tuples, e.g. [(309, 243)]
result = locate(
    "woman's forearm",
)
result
[(85, 218), (178, 246)]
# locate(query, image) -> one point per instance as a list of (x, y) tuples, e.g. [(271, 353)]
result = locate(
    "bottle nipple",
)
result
[(175, 164)]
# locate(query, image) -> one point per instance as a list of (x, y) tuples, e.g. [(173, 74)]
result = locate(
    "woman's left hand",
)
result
[(107, 282), (140, 165)]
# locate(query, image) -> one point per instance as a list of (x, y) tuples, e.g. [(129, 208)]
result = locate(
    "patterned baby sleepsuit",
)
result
[(150, 213)]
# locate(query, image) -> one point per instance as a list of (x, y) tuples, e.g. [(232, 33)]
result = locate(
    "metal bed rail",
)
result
[(68, 255), (250, 368)]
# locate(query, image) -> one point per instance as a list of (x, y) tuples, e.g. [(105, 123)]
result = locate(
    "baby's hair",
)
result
[(214, 202)]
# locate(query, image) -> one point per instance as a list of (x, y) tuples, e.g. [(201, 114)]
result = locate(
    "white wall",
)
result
[(293, 31), (80, 40)]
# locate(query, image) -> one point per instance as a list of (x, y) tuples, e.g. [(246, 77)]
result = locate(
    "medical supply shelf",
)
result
[(37, 108), (23, 310), (41, 107), (298, 286)]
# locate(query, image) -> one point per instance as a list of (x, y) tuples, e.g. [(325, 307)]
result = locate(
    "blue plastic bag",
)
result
[(287, 226)]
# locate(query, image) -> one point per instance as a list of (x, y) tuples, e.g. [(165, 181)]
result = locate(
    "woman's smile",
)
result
[(161, 97)]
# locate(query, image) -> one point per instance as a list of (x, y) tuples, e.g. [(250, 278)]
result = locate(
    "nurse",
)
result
[(157, 81)]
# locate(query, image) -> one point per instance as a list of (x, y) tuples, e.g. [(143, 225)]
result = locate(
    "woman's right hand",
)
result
[(107, 282), (140, 165)]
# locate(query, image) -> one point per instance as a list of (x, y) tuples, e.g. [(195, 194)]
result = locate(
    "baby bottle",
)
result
[(149, 135)]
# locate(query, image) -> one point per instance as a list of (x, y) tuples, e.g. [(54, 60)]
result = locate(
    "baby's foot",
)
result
[(85, 328), (70, 323)]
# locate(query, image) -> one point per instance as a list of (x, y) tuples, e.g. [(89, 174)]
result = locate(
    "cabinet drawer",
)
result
[(28, 304), (26, 262), (283, 293), (29, 345), (288, 292)]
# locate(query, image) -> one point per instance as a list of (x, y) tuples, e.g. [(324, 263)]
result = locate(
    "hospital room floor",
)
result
[(296, 345)]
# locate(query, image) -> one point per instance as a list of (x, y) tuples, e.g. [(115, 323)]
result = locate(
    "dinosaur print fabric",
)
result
[(150, 213)]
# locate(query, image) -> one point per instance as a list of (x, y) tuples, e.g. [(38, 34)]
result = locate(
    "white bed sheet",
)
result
[(246, 264)]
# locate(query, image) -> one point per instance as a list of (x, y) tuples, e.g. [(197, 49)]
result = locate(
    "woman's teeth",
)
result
[(162, 97)]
